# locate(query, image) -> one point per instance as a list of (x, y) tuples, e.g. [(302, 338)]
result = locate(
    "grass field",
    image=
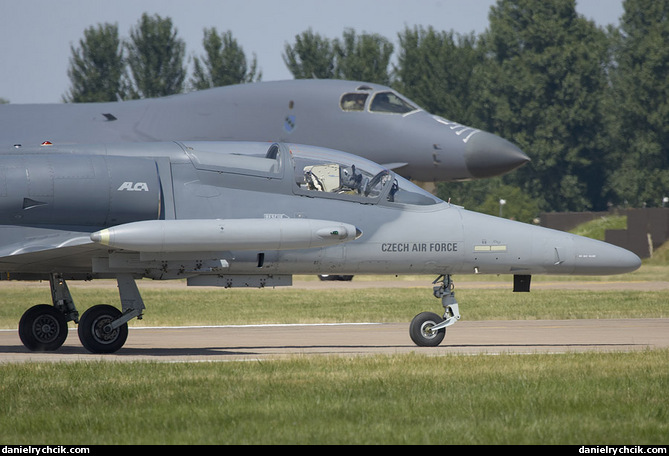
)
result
[(169, 307), (574, 398), (588, 398)]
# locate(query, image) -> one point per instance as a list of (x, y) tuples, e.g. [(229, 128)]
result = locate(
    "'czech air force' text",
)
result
[(404, 247)]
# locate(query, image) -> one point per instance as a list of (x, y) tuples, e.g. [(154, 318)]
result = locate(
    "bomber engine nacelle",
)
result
[(84, 190)]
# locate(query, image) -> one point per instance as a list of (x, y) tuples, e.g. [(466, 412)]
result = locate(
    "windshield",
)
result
[(389, 102), (353, 101), (405, 192), (384, 102)]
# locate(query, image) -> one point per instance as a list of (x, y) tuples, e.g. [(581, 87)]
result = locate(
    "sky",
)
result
[(36, 35)]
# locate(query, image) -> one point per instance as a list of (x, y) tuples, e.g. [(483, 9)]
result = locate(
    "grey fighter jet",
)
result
[(365, 119), (246, 214)]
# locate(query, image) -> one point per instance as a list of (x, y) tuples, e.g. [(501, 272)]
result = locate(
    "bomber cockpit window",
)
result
[(353, 101), (339, 176), (389, 102)]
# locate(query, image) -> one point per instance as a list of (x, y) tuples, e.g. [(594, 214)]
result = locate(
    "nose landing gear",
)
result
[(428, 329)]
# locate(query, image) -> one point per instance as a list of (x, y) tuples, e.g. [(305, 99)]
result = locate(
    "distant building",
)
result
[(647, 229)]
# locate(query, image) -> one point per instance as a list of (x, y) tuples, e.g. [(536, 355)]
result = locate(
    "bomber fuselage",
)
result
[(369, 120)]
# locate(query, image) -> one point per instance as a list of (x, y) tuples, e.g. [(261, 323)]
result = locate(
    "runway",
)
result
[(248, 343), (262, 342)]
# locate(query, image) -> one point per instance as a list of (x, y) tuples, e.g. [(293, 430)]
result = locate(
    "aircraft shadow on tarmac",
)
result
[(309, 349)]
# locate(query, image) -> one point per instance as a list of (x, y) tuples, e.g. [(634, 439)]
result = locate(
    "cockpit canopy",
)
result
[(321, 172), (315, 171), (386, 101)]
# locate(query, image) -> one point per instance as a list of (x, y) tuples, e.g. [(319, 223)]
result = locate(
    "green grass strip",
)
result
[(168, 307), (579, 398)]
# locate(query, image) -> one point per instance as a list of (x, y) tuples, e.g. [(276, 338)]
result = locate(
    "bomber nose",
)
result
[(488, 155)]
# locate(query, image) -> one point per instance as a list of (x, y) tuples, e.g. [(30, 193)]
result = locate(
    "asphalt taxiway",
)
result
[(261, 342)]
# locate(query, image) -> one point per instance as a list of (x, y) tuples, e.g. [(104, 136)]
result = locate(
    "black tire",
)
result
[(92, 332), (43, 328), (420, 332)]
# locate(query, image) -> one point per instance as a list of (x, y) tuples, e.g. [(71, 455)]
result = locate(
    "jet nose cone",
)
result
[(595, 257), (631, 262), (487, 155)]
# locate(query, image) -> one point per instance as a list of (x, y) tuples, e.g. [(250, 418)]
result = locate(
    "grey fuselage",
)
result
[(364, 119), (53, 199)]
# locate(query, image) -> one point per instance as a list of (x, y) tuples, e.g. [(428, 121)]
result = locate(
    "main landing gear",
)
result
[(102, 328), (428, 329)]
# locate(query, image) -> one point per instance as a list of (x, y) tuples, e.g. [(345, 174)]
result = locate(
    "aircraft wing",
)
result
[(52, 252)]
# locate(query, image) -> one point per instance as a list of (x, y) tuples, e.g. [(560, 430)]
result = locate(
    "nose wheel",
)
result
[(422, 330), (428, 329)]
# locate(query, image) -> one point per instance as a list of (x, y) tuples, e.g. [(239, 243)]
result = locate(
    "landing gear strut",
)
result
[(102, 328), (428, 329)]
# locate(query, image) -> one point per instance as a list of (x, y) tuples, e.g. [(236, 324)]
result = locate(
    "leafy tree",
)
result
[(545, 80), (312, 56), (364, 57), (640, 104), (224, 63), (510, 202), (97, 67), (485, 195), (156, 58), (437, 70)]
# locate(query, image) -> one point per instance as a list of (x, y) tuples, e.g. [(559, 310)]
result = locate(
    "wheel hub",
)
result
[(426, 329), (103, 331), (45, 329)]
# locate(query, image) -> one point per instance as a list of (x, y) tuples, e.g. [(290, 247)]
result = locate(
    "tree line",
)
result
[(589, 105), (151, 62)]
